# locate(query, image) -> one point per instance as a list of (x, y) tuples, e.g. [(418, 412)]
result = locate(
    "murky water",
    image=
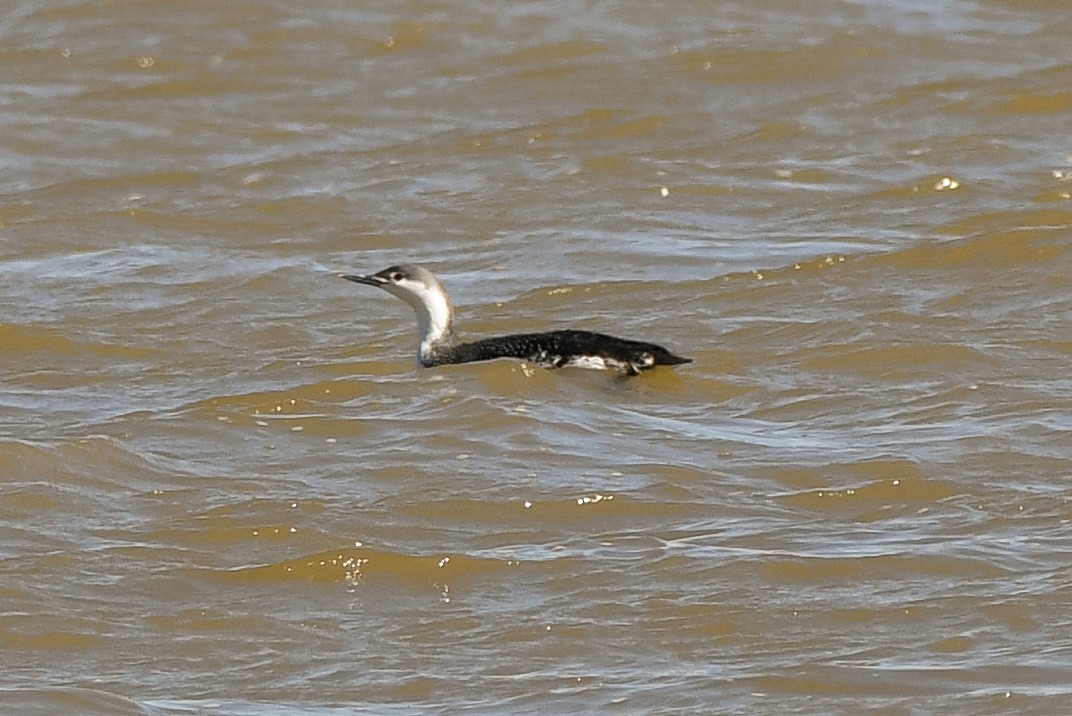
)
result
[(226, 489)]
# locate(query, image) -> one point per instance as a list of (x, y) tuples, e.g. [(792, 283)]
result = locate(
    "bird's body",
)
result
[(420, 288)]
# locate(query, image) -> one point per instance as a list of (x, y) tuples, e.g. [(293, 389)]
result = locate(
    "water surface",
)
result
[(226, 488)]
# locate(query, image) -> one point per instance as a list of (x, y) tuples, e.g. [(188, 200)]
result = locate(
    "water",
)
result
[(227, 490)]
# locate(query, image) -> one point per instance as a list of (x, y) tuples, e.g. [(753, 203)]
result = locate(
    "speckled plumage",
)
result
[(557, 349), (552, 349)]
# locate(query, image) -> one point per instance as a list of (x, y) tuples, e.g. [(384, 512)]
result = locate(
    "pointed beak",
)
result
[(367, 280)]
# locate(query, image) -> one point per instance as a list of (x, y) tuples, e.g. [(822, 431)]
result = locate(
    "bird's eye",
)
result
[(396, 277)]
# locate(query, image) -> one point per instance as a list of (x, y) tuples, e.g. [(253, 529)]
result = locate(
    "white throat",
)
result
[(434, 314)]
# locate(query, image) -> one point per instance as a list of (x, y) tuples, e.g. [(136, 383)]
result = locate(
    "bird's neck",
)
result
[(435, 329)]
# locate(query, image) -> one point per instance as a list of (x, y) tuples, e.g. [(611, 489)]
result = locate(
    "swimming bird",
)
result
[(439, 345)]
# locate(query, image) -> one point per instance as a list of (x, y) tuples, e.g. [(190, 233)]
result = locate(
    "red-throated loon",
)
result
[(420, 288)]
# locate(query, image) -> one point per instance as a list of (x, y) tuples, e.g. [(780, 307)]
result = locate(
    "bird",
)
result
[(439, 345)]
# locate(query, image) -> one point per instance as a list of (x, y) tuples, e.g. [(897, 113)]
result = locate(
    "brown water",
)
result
[(227, 490)]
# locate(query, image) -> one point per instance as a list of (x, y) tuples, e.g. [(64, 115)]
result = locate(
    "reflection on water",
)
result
[(853, 215)]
